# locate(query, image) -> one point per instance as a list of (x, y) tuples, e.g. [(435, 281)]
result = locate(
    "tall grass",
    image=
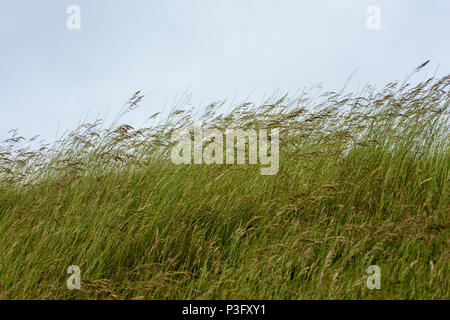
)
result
[(363, 181)]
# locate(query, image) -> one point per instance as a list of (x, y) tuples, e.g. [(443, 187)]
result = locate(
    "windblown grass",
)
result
[(363, 180)]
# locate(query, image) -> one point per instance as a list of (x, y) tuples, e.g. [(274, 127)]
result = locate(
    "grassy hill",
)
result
[(363, 180)]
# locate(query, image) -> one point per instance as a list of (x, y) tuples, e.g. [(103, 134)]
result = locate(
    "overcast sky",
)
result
[(51, 76)]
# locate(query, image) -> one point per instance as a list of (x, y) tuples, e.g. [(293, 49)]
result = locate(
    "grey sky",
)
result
[(217, 48)]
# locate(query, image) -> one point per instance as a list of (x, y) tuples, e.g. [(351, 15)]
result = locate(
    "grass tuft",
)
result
[(363, 180)]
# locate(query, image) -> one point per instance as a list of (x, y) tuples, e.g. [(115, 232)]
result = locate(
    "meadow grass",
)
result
[(363, 180)]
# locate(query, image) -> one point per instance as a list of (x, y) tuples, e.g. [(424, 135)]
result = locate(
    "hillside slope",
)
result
[(363, 180)]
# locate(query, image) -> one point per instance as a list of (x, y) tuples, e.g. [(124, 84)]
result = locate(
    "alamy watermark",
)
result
[(74, 18), (374, 279), (74, 281), (373, 21), (200, 146), (374, 17)]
